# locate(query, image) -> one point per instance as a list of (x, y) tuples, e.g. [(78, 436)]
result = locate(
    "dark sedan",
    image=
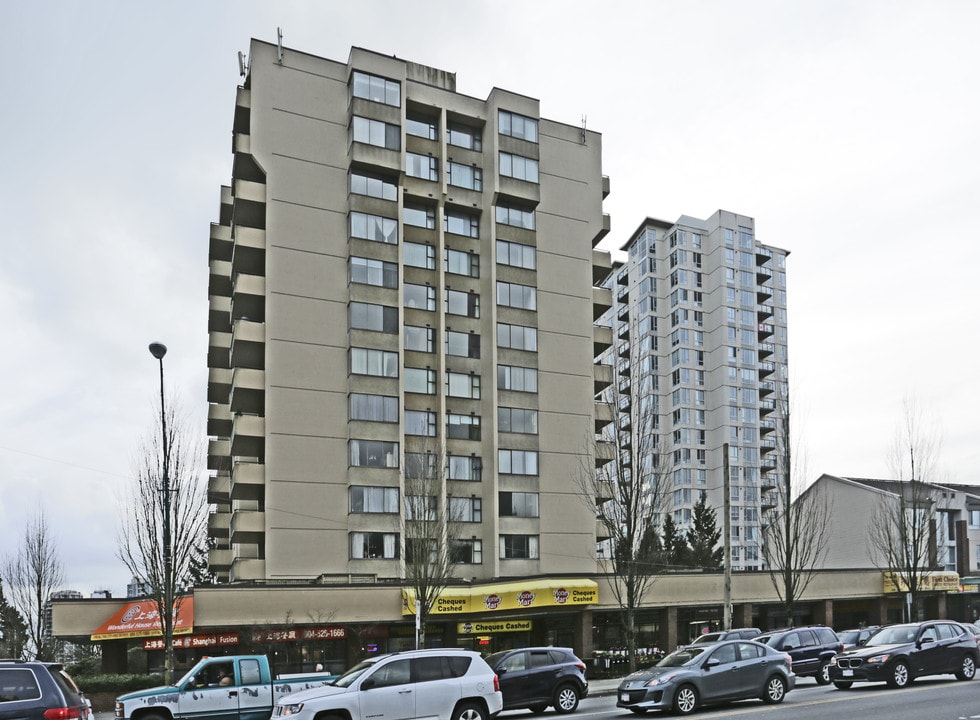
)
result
[(897, 654), (699, 675)]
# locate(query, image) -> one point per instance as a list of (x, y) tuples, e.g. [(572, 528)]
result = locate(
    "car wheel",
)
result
[(968, 668), (566, 699), (900, 675), (685, 700), (538, 709), (843, 684), (823, 674), (775, 690), (470, 711)]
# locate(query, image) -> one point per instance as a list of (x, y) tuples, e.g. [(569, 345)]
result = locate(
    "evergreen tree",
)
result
[(704, 537), (13, 629), (676, 552)]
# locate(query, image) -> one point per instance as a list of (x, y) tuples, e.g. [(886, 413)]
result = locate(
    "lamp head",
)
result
[(158, 350)]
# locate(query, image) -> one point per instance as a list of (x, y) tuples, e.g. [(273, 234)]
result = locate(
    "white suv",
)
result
[(443, 684)]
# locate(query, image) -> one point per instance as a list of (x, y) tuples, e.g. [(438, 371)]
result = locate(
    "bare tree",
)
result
[(797, 525), (431, 526), (30, 576), (901, 533), (141, 539)]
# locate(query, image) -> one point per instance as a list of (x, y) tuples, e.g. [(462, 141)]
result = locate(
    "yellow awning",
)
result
[(518, 595)]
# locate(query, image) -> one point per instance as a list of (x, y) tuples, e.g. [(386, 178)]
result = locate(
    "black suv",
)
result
[(39, 691), (811, 648), (537, 677), (897, 654), (734, 634)]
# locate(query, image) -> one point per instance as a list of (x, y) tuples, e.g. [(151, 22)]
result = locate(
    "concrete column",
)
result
[(742, 617), (823, 612), (668, 630), (583, 634)]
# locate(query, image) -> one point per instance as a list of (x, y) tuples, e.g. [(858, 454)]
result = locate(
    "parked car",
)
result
[(856, 636), (696, 675), (39, 690), (897, 654), (438, 684), (734, 634), (811, 648), (537, 677), (973, 628)]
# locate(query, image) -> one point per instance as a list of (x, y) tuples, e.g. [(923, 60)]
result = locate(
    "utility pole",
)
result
[(728, 540)]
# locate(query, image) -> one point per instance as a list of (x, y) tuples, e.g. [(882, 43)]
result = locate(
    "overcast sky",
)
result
[(848, 130)]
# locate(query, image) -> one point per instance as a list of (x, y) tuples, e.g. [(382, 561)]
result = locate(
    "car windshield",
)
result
[(893, 635), (682, 656), (707, 639), (355, 672), (849, 637)]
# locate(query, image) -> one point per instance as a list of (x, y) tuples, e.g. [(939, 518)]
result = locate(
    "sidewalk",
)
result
[(603, 686)]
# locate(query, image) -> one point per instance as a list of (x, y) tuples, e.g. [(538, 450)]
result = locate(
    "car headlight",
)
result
[(290, 709), (878, 659), (661, 679)]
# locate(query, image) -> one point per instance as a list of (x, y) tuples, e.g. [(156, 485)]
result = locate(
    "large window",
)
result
[(462, 344), (519, 126), (425, 167), (519, 167), (515, 217), (517, 420), (373, 453), (420, 380), (516, 255), (420, 422), (419, 339), (420, 255), (460, 223), (468, 468), (373, 408), (377, 133), (420, 297), (466, 552), (373, 185), (373, 272), (421, 465), (366, 499), (468, 510), (368, 361), (517, 337), (462, 263), (421, 126), (377, 89), (420, 216), (463, 427), (464, 136), (373, 545), (374, 227), (517, 462), (462, 303), (465, 176), (523, 297), (518, 504), (367, 316), (520, 379), (518, 547), (463, 385)]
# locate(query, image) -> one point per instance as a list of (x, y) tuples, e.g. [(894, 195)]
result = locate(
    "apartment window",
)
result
[(973, 518), (465, 176), (420, 380), (419, 339), (421, 127), (420, 255), (518, 126), (372, 185), (516, 255), (377, 133), (366, 271), (420, 216), (462, 344), (462, 303), (424, 465), (468, 468), (462, 427), (421, 297), (466, 552), (519, 379), (464, 136), (374, 227), (523, 297), (518, 547), (373, 545), (377, 89), (366, 499), (462, 263), (417, 550), (424, 167), (517, 337), (373, 453), (367, 361), (460, 223), (373, 408), (463, 385), (515, 217), (421, 507), (518, 167), (420, 423), (379, 318), (517, 420), (517, 462), (468, 510), (518, 504)]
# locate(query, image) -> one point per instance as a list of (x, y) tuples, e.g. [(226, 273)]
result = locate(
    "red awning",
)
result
[(140, 618)]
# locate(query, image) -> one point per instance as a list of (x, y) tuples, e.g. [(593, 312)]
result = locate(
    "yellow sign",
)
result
[(508, 596), (493, 626), (928, 582)]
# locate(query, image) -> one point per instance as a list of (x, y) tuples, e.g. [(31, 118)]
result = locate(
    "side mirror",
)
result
[(711, 662), (788, 647), (368, 684), (500, 671)]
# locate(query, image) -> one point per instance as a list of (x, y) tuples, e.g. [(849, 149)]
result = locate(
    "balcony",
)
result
[(762, 255), (766, 407), (604, 230), (221, 243), (601, 301), (766, 387), (603, 377), (248, 436), (603, 416), (219, 488), (218, 524), (248, 298), (247, 527), (605, 452), (623, 349), (219, 344), (219, 421), (763, 274), (247, 346), (765, 330), (219, 313), (219, 455), (605, 186), (247, 391), (601, 266), (219, 385), (246, 569), (248, 255), (766, 369), (623, 369), (762, 294), (219, 278), (247, 481), (767, 426), (602, 339), (601, 531), (766, 349), (769, 482), (623, 314), (219, 559), (227, 204), (767, 444), (249, 204), (764, 311), (243, 111)]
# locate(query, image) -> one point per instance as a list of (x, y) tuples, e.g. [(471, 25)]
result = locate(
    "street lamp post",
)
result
[(158, 350)]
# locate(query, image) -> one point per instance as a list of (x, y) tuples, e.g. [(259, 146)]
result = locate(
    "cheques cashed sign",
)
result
[(508, 596)]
